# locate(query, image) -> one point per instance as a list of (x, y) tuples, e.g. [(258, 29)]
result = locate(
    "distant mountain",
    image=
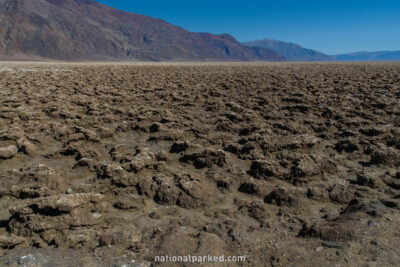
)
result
[(290, 51), (88, 30), (369, 56)]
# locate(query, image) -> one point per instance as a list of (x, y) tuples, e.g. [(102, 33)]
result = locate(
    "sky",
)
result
[(332, 27)]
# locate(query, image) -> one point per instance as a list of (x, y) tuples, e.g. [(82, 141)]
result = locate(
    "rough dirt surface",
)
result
[(289, 164)]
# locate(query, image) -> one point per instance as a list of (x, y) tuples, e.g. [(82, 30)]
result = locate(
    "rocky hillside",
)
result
[(88, 30)]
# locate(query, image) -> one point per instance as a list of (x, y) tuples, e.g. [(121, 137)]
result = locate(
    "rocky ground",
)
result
[(289, 164)]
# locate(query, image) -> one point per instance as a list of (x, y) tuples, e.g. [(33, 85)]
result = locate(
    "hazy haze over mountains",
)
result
[(88, 30), (290, 51), (369, 56), (295, 52)]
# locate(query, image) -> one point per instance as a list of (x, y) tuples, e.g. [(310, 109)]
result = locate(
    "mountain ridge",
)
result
[(291, 51), (88, 30)]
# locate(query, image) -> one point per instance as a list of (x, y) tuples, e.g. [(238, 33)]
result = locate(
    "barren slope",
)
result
[(88, 30)]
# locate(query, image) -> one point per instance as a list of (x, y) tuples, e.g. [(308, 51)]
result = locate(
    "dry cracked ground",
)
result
[(112, 164)]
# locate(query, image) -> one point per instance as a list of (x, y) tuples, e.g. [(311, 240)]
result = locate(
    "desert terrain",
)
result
[(289, 164)]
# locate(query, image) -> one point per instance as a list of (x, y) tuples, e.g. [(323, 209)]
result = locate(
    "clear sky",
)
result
[(329, 26)]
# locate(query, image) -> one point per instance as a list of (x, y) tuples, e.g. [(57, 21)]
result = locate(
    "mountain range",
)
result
[(295, 52), (85, 30), (291, 51), (369, 56), (88, 30)]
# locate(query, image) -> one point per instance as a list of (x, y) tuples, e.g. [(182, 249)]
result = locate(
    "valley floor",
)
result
[(289, 164)]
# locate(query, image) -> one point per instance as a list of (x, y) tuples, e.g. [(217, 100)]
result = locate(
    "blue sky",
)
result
[(331, 27)]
